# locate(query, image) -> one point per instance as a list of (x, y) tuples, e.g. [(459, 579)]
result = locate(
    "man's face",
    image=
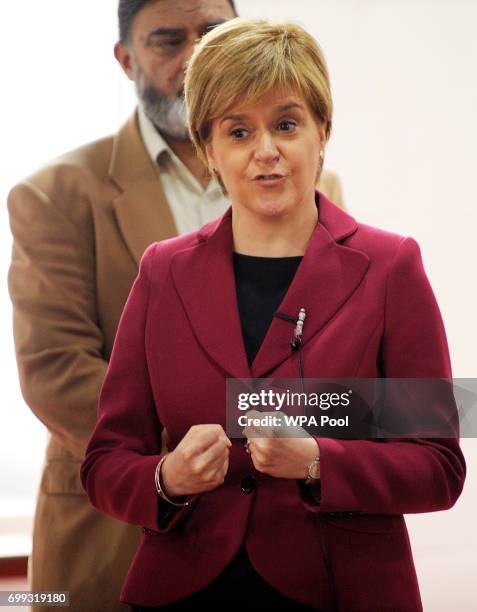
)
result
[(162, 39)]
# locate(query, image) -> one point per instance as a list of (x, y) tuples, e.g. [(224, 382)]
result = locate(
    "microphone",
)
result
[(295, 342), (298, 331)]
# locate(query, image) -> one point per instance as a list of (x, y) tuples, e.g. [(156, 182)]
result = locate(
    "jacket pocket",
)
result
[(61, 478)]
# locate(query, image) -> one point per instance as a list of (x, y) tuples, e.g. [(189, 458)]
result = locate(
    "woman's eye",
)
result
[(238, 133), (286, 126)]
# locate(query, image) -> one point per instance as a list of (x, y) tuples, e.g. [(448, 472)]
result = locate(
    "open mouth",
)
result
[(269, 178)]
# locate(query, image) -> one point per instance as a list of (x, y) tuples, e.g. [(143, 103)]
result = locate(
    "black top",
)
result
[(261, 284)]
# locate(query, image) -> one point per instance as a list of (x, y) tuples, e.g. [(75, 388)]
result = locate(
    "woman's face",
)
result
[(268, 155)]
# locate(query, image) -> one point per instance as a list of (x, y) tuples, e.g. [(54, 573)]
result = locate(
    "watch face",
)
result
[(315, 470)]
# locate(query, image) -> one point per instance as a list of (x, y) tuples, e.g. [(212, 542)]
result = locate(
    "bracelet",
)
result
[(160, 487)]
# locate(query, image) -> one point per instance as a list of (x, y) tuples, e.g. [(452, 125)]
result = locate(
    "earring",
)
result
[(322, 154)]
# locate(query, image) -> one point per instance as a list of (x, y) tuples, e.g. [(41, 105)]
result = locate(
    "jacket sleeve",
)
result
[(122, 455), (57, 338), (402, 475)]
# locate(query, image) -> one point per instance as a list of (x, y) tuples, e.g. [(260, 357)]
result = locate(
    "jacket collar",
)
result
[(328, 274), (141, 209)]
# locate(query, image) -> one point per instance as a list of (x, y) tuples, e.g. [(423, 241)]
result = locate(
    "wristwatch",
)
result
[(313, 471)]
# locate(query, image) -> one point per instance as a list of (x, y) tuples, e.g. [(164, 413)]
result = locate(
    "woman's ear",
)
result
[(321, 135), (209, 151)]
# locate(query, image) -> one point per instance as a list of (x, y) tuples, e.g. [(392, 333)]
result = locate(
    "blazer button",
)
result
[(248, 484)]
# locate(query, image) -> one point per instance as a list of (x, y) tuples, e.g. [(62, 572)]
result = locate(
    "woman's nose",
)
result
[(266, 148)]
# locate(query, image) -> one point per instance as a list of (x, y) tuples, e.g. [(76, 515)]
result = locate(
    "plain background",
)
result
[(404, 144)]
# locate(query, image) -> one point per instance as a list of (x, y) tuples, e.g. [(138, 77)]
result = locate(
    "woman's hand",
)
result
[(287, 456), (199, 462)]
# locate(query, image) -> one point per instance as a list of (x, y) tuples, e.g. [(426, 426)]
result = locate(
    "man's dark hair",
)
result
[(127, 10)]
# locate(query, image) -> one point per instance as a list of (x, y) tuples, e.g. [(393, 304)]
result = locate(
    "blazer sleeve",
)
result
[(125, 448), (403, 475), (57, 338)]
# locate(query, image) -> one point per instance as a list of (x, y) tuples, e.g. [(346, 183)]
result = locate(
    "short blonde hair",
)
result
[(245, 59)]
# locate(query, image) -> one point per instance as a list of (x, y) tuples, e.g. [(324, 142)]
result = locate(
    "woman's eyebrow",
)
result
[(233, 118), (279, 109), (287, 107)]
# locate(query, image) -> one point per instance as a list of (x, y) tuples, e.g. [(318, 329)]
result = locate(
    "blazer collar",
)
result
[(204, 278), (141, 209)]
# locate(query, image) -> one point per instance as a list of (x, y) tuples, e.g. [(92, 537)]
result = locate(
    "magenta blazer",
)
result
[(370, 312)]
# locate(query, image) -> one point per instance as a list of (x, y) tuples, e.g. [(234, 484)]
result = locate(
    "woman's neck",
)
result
[(273, 236)]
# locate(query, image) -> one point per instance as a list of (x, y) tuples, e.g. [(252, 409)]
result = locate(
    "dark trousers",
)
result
[(239, 585)]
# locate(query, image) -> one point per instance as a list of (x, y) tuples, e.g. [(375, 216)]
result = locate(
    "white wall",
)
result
[(404, 143)]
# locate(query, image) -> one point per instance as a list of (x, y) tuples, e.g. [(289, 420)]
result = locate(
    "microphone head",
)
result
[(295, 343)]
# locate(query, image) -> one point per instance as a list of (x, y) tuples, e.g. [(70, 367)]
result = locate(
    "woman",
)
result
[(296, 523)]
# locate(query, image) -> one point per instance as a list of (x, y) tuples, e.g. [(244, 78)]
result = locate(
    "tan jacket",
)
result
[(80, 226)]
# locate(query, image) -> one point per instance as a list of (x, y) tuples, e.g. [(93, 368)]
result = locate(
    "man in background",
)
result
[(80, 226)]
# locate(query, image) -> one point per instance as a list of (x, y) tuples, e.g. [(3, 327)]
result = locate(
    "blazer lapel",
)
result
[(327, 276), (205, 281), (204, 278), (142, 212)]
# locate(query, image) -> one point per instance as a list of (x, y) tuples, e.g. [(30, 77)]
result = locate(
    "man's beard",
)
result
[(168, 115)]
